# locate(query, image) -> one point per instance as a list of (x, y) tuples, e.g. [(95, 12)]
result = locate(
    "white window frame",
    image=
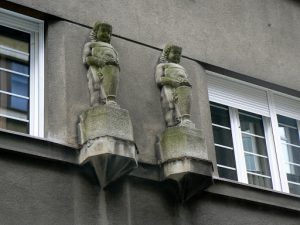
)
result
[(35, 28), (271, 128)]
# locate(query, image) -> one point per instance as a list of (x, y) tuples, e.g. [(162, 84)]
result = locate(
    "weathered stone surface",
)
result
[(106, 136), (105, 120), (179, 142), (107, 145), (229, 33), (188, 175), (111, 158), (184, 159), (178, 168)]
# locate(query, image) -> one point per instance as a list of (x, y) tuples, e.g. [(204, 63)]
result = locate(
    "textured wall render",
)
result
[(257, 38)]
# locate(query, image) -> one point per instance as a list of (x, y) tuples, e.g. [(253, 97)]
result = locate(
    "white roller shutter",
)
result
[(236, 94), (287, 106)]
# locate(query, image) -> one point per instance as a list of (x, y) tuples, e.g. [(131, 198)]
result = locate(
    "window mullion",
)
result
[(298, 127), (40, 83), (32, 107), (280, 158), (271, 154), (238, 146)]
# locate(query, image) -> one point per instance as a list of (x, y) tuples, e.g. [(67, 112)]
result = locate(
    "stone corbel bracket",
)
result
[(184, 161), (106, 137)]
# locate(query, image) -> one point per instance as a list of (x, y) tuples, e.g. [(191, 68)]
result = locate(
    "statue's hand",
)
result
[(184, 82), (100, 75), (169, 81), (94, 61)]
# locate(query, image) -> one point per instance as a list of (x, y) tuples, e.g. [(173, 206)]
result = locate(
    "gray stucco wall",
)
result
[(212, 210), (35, 191), (257, 38)]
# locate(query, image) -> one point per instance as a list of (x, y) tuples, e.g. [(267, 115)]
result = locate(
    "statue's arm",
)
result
[(94, 61), (86, 52), (162, 80), (170, 82), (184, 81), (87, 58), (117, 57), (159, 72)]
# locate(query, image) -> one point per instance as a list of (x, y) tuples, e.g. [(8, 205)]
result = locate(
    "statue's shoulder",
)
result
[(160, 65), (99, 44), (173, 65), (88, 44)]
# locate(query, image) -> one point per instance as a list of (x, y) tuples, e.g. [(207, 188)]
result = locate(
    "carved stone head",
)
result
[(171, 53), (101, 32)]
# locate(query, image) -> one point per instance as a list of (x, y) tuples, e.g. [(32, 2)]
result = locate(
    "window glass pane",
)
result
[(260, 181), (293, 173), (289, 133), (220, 115), (19, 67), (14, 79), (251, 123), (254, 144), (14, 39), (291, 153), (14, 107), (225, 156), (294, 188), (222, 136), (14, 83), (287, 121), (227, 173), (256, 164), (14, 125), (11, 64)]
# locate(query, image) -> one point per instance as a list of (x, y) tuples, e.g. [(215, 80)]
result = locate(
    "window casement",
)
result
[(21, 73), (256, 134)]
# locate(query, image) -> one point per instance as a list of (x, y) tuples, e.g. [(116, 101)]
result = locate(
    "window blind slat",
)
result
[(237, 95), (287, 106)]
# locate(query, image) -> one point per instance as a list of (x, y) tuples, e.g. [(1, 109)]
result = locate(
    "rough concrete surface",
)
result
[(66, 92), (212, 210), (256, 38)]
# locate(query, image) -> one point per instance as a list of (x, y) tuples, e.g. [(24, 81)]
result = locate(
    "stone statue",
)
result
[(181, 148), (175, 87), (102, 60), (105, 132)]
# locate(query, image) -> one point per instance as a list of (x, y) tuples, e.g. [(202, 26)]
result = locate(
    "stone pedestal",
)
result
[(184, 159), (106, 136)]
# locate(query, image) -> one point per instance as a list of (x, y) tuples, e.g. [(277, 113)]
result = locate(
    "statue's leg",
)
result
[(110, 81), (183, 102), (168, 108), (94, 91)]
